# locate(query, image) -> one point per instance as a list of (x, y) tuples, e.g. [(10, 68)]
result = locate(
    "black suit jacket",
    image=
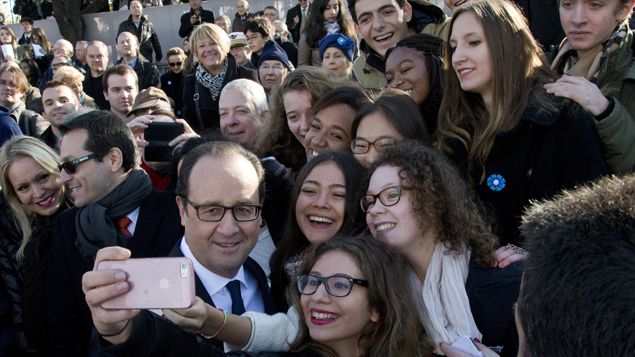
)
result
[(155, 336), (69, 322), (24, 40), (293, 28), (147, 73)]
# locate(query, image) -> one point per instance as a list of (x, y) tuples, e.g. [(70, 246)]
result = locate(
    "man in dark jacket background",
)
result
[(128, 48), (138, 24), (196, 16), (294, 18)]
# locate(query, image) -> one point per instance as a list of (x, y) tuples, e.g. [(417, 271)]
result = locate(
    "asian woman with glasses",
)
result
[(393, 116), (32, 195)]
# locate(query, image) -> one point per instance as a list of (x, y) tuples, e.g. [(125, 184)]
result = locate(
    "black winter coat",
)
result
[(543, 154), (206, 119), (148, 39)]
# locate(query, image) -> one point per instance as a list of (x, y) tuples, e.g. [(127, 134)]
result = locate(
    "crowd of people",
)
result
[(366, 178)]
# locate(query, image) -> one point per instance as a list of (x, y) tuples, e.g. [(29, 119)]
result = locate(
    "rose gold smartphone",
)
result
[(156, 283)]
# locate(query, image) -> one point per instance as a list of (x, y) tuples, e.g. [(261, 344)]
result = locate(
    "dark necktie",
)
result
[(122, 226), (238, 307)]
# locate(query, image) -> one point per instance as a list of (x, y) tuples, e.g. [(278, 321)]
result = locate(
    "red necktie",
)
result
[(122, 226)]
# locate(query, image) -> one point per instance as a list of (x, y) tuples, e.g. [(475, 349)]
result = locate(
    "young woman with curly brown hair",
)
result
[(417, 203)]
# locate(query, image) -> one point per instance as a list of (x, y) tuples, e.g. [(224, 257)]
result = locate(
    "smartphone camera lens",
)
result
[(184, 271)]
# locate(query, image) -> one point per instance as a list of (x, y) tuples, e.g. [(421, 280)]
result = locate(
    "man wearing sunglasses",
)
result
[(222, 218), (172, 81), (114, 205)]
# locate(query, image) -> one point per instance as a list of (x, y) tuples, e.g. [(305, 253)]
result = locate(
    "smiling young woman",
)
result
[(417, 203), (514, 141), (32, 196)]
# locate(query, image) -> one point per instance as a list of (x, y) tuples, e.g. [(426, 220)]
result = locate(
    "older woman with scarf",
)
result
[(216, 67), (596, 64)]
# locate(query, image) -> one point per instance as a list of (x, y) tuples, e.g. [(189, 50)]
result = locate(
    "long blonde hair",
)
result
[(13, 150), (520, 70)]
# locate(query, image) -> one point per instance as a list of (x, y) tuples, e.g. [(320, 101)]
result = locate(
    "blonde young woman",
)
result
[(595, 62), (513, 140), (32, 195)]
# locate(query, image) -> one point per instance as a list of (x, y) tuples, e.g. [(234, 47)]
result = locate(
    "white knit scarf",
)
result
[(446, 312)]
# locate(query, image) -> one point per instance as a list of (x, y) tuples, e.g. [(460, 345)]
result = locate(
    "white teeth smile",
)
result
[(227, 245), (322, 316), (384, 37), (317, 219), (384, 226)]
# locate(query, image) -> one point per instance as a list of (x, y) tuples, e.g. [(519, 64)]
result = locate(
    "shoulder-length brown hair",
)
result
[(14, 39), (520, 71), (398, 331), (442, 198), (44, 40)]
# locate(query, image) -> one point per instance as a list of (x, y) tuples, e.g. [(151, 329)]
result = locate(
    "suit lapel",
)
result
[(150, 217), (263, 286)]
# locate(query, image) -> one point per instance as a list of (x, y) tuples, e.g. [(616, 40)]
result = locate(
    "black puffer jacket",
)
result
[(23, 280)]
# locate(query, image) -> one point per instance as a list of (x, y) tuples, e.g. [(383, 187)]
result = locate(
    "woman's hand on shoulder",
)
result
[(508, 254), (581, 91), (453, 352)]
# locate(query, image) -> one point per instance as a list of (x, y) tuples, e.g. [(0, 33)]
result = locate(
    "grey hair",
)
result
[(252, 91)]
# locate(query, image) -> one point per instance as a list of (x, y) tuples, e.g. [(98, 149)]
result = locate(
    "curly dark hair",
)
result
[(431, 47), (441, 197)]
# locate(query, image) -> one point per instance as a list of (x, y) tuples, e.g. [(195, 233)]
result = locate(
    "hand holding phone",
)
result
[(155, 283), (158, 134)]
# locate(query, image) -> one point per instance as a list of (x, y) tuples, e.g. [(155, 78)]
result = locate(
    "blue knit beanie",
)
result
[(273, 51), (337, 40)]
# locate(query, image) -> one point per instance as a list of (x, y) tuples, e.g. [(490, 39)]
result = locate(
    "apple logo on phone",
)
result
[(164, 284)]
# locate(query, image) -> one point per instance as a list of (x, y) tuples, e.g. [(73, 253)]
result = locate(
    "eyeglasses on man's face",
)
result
[(336, 285), (215, 213), (389, 196), (175, 64), (71, 166), (275, 67), (362, 146)]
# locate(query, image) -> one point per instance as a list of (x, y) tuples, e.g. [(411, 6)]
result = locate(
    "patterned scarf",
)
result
[(214, 83), (568, 62), (331, 27)]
